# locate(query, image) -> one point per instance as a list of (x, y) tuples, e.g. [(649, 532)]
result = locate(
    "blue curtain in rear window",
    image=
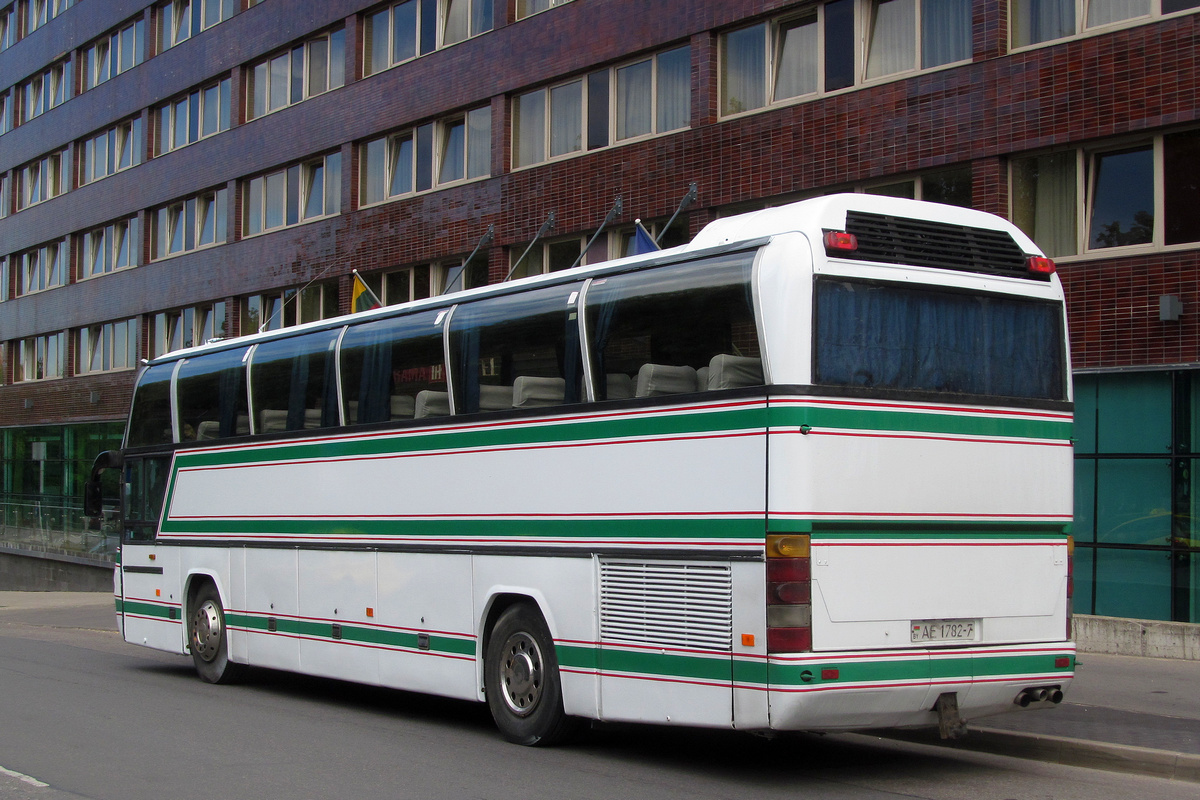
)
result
[(889, 337)]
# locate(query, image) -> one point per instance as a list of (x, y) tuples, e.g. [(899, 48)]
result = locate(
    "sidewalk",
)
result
[(1122, 713)]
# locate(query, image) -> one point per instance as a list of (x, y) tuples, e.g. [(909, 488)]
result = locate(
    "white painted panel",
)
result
[(338, 588), (271, 591), (425, 593), (152, 602)]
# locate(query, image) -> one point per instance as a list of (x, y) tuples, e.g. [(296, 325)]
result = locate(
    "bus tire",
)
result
[(207, 639), (524, 691)]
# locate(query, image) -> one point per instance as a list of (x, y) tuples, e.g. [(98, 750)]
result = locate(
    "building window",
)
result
[(797, 56), (108, 347), (1093, 200), (291, 196), (112, 54), (283, 309), (40, 180), (1035, 21), (647, 97), (402, 31), (527, 8), (5, 279), (110, 151), (307, 70), (190, 224), (193, 116), (40, 12), (432, 155), (6, 112), (44, 91), (408, 284), (41, 358), (187, 327), (109, 248), (550, 256), (3, 195), (949, 186), (179, 20), (9, 29), (42, 267)]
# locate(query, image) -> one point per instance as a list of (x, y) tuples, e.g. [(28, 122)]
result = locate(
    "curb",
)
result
[(1066, 751)]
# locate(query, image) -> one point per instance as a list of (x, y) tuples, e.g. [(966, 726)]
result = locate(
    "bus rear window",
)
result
[(885, 337)]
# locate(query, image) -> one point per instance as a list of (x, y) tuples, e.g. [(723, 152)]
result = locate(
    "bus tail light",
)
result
[(837, 242), (789, 593), (1070, 580), (1039, 265)]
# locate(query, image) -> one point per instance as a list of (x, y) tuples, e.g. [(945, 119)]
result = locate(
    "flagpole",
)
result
[(546, 226), (615, 211), (687, 200), (487, 238)]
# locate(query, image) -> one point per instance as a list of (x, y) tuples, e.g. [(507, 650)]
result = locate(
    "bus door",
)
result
[(149, 601)]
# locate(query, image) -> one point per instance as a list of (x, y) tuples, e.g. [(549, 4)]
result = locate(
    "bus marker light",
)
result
[(747, 640), (158, 592), (1062, 662), (370, 613), (1039, 265), (830, 674), (788, 546), (840, 242)]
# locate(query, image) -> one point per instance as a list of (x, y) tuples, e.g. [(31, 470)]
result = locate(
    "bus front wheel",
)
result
[(524, 692), (207, 639)]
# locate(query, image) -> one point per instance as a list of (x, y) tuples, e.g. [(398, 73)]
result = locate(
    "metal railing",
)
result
[(57, 527)]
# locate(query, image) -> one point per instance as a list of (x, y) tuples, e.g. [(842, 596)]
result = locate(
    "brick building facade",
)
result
[(171, 171)]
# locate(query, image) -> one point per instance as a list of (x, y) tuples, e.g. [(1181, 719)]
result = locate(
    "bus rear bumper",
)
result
[(859, 690)]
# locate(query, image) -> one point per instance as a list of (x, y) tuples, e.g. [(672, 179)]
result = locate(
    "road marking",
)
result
[(24, 778)]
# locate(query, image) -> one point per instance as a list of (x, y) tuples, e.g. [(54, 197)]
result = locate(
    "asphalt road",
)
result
[(84, 715)]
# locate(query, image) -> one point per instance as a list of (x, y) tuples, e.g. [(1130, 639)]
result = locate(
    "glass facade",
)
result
[(42, 472), (1137, 543)]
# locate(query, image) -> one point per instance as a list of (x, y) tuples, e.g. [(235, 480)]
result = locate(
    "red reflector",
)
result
[(1039, 265), (1062, 661), (840, 242), (789, 592), (788, 569), (789, 640), (829, 674)]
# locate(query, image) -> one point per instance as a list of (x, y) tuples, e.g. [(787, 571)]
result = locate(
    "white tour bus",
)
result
[(811, 471)]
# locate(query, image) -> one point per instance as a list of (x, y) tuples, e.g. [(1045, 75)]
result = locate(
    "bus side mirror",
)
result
[(93, 497)]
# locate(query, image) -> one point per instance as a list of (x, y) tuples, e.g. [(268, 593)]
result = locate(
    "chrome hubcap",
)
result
[(206, 630), (521, 673)]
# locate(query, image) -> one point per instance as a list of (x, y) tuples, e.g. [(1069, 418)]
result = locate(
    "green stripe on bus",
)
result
[(808, 674), (818, 417), (353, 634), (416, 441), (146, 609), (916, 669), (752, 528)]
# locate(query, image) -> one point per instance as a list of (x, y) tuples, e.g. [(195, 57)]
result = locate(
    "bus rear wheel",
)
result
[(524, 691), (207, 639)]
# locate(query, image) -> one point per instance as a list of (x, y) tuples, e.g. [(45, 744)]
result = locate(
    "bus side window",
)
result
[(150, 418), (212, 396), (293, 383), (671, 330), (517, 351), (393, 369)]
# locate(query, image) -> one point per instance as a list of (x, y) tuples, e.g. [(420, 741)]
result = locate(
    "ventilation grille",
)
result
[(897, 240), (666, 604)]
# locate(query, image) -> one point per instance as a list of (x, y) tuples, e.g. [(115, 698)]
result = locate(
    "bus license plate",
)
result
[(943, 630)]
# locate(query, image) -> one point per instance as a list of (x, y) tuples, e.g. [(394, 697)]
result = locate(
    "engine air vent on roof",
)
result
[(898, 240)]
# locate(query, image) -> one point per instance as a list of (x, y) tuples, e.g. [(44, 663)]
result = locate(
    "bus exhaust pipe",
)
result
[(1038, 694)]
